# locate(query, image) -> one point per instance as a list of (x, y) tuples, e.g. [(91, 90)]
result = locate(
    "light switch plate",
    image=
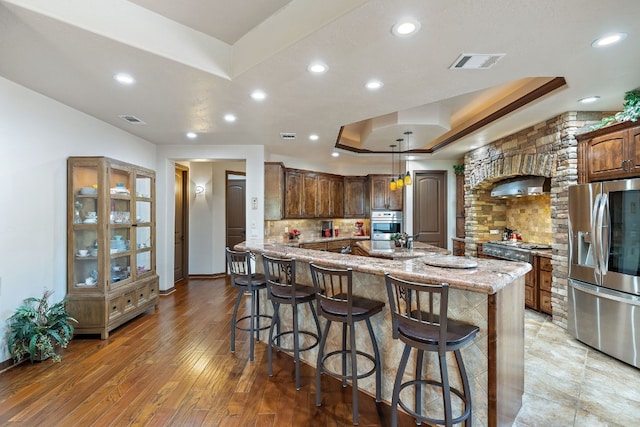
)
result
[(254, 203)]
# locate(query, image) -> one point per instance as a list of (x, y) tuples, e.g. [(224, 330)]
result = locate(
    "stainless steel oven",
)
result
[(604, 267), (385, 223)]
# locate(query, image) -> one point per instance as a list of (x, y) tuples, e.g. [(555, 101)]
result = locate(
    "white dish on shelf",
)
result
[(90, 221)]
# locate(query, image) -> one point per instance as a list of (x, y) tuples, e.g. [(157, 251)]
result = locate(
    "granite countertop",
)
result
[(489, 276), (419, 250), (305, 239)]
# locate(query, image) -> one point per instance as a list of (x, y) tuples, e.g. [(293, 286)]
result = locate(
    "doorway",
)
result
[(181, 226), (430, 207), (235, 208)]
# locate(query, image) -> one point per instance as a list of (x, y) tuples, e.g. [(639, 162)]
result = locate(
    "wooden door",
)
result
[(337, 197), (380, 191), (235, 208), (293, 194), (309, 195), (430, 207), (323, 208), (181, 225)]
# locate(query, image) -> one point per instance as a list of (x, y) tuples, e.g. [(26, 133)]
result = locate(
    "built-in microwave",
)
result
[(385, 223)]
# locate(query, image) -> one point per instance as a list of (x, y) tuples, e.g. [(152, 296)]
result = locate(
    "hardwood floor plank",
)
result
[(173, 366)]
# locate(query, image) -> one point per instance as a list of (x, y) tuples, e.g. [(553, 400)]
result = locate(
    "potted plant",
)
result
[(37, 328), (400, 239), (630, 110)]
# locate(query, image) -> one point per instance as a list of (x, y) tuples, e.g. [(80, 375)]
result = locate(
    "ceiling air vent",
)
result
[(288, 135), (132, 119), (476, 61)]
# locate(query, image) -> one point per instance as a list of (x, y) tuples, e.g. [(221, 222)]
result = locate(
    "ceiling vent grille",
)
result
[(288, 135), (132, 119), (476, 61)]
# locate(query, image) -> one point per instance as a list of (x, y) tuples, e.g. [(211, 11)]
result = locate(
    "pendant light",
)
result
[(407, 177), (392, 184), (400, 180)]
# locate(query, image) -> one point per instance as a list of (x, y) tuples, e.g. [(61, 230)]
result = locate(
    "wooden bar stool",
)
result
[(419, 319), (282, 288), (336, 303), (245, 281)]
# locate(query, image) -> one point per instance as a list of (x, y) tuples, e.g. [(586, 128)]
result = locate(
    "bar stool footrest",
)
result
[(291, 350), (261, 316), (371, 358), (423, 418)]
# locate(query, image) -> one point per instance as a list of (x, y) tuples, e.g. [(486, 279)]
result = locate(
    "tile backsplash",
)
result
[(311, 228)]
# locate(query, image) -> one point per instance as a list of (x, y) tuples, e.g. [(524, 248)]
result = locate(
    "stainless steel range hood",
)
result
[(522, 186)]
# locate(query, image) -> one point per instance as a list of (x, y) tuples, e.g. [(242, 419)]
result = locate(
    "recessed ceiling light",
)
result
[(588, 99), (411, 158), (229, 118), (313, 137), (609, 39), (335, 154), (374, 84), (258, 95), (317, 68), (124, 78), (405, 27), (192, 135)]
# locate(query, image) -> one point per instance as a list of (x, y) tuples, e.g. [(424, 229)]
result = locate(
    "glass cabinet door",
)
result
[(120, 183), (144, 222), (84, 231)]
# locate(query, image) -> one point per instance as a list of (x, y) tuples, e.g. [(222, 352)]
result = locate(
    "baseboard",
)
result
[(166, 292), (7, 364), (207, 276)]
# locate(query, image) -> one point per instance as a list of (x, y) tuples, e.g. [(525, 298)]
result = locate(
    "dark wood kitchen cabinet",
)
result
[(273, 191), (382, 198), (612, 152), (545, 270), (356, 202), (300, 194), (330, 200)]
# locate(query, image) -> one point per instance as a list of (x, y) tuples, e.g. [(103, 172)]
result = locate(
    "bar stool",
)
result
[(245, 281), (336, 303), (417, 321), (282, 288)]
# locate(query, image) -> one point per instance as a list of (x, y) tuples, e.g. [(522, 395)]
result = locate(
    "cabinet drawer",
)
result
[(545, 281), (129, 301), (545, 302), (545, 264), (337, 245), (115, 308), (318, 246), (530, 297)]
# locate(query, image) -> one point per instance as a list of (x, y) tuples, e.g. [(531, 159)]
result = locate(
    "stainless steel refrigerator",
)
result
[(604, 267)]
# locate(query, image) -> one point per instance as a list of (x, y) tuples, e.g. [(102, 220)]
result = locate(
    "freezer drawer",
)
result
[(605, 319)]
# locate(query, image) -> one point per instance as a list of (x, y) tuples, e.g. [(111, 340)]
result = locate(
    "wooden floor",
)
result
[(173, 367)]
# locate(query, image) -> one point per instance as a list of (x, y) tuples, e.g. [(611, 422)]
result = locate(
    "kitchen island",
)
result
[(487, 293)]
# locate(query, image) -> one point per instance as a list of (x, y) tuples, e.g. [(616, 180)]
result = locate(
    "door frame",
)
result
[(184, 170), (443, 207)]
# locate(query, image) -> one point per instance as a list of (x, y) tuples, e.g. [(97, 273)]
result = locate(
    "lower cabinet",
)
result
[(458, 247), (330, 245), (545, 270)]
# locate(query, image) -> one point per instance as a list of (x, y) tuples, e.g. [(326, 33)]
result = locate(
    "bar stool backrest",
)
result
[(239, 263), (280, 275), (419, 307), (333, 291)]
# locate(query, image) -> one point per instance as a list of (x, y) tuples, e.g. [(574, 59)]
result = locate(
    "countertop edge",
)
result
[(488, 277)]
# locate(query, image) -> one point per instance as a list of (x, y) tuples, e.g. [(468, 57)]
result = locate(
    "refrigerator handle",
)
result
[(605, 233), (595, 238)]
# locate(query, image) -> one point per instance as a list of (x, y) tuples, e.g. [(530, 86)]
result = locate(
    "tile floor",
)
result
[(568, 383)]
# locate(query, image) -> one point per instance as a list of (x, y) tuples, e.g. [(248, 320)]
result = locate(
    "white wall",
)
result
[(37, 134), (207, 215), (167, 156)]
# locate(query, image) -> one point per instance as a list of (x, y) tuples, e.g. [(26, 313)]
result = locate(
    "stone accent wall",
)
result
[(546, 149)]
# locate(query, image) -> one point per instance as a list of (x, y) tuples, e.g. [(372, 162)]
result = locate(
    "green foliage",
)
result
[(36, 328), (630, 110), (458, 169)]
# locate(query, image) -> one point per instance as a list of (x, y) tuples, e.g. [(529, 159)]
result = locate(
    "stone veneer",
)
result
[(547, 149)]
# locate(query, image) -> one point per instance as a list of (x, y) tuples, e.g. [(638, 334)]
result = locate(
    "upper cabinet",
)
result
[(608, 153), (111, 259), (273, 191), (382, 198), (295, 193), (356, 202)]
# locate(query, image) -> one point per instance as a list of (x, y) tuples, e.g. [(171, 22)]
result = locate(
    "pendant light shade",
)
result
[(400, 181), (407, 178), (393, 185)]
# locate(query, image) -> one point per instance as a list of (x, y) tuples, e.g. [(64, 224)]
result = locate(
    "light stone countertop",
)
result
[(488, 277), (419, 250)]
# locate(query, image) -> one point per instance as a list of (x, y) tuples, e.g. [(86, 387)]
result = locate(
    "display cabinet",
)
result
[(111, 270)]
